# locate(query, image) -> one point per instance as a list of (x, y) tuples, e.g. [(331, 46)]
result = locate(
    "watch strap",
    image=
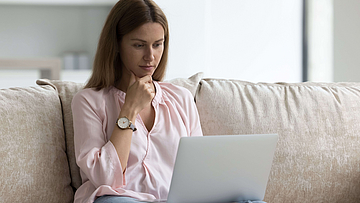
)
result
[(132, 127)]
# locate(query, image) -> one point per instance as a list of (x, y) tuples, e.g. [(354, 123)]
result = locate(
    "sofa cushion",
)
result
[(33, 164), (191, 83), (67, 90), (318, 152)]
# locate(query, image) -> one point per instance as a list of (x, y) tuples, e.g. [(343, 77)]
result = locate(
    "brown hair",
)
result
[(123, 18)]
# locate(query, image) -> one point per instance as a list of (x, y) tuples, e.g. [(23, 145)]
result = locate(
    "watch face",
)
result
[(123, 123)]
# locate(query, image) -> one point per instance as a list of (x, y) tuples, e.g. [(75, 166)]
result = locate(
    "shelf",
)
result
[(60, 2), (27, 77), (50, 68)]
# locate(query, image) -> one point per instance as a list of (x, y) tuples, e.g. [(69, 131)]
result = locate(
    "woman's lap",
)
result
[(115, 199), (122, 199)]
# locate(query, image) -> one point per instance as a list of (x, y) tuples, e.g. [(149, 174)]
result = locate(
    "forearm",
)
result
[(139, 94), (121, 139)]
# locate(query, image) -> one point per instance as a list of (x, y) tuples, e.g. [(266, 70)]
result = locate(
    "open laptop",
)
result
[(225, 168)]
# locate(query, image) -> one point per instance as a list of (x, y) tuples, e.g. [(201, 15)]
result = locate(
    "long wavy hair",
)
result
[(124, 17)]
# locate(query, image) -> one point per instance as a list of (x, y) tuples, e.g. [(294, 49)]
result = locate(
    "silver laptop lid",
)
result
[(222, 168)]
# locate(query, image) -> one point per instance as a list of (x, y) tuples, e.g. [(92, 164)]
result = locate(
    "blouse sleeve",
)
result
[(95, 155), (193, 115)]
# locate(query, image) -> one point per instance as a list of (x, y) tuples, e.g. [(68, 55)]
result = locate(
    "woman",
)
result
[(127, 124)]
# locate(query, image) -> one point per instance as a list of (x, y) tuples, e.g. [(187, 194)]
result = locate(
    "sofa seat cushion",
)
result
[(33, 164), (318, 152)]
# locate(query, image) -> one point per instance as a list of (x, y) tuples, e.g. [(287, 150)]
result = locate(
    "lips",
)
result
[(147, 67)]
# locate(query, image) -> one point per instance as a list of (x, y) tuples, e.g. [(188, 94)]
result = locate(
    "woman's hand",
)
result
[(140, 93)]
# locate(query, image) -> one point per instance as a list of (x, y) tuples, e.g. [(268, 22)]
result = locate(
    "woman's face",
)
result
[(141, 50)]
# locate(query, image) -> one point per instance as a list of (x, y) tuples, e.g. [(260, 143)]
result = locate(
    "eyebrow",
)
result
[(136, 39)]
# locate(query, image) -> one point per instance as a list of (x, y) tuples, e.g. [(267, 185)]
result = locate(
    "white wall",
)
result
[(347, 41), (249, 40), (320, 36), (253, 40)]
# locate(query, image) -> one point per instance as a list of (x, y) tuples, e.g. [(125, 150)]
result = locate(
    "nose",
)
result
[(149, 54)]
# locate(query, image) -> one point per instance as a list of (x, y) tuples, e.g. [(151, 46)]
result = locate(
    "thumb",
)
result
[(133, 79)]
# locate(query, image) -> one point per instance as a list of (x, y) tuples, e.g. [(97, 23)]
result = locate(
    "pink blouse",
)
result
[(152, 154)]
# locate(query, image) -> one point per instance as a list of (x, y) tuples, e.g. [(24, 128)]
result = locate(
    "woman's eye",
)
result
[(138, 45), (157, 45)]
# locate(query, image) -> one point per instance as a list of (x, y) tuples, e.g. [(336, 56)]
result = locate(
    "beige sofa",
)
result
[(317, 157)]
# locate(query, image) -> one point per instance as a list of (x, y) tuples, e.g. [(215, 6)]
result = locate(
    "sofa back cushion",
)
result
[(33, 164), (66, 91), (318, 152)]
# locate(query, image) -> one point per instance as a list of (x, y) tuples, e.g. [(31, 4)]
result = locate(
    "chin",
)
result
[(143, 75), (146, 73)]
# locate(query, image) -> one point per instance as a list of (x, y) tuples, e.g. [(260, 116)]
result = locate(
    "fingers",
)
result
[(147, 82), (148, 85), (141, 84), (140, 92)]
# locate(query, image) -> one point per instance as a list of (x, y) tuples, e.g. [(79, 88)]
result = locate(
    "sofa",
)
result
[(317, 158)]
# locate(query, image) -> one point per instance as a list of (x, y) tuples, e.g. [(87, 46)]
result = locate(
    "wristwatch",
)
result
[(124, 123)]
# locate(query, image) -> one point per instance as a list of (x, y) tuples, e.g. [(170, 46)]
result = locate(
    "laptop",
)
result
[(225, 168)]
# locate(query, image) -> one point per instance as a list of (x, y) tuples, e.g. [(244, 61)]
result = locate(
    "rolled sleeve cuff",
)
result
[(112, 156)]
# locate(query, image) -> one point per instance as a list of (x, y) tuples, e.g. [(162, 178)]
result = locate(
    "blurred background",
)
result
[(251, 40)]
